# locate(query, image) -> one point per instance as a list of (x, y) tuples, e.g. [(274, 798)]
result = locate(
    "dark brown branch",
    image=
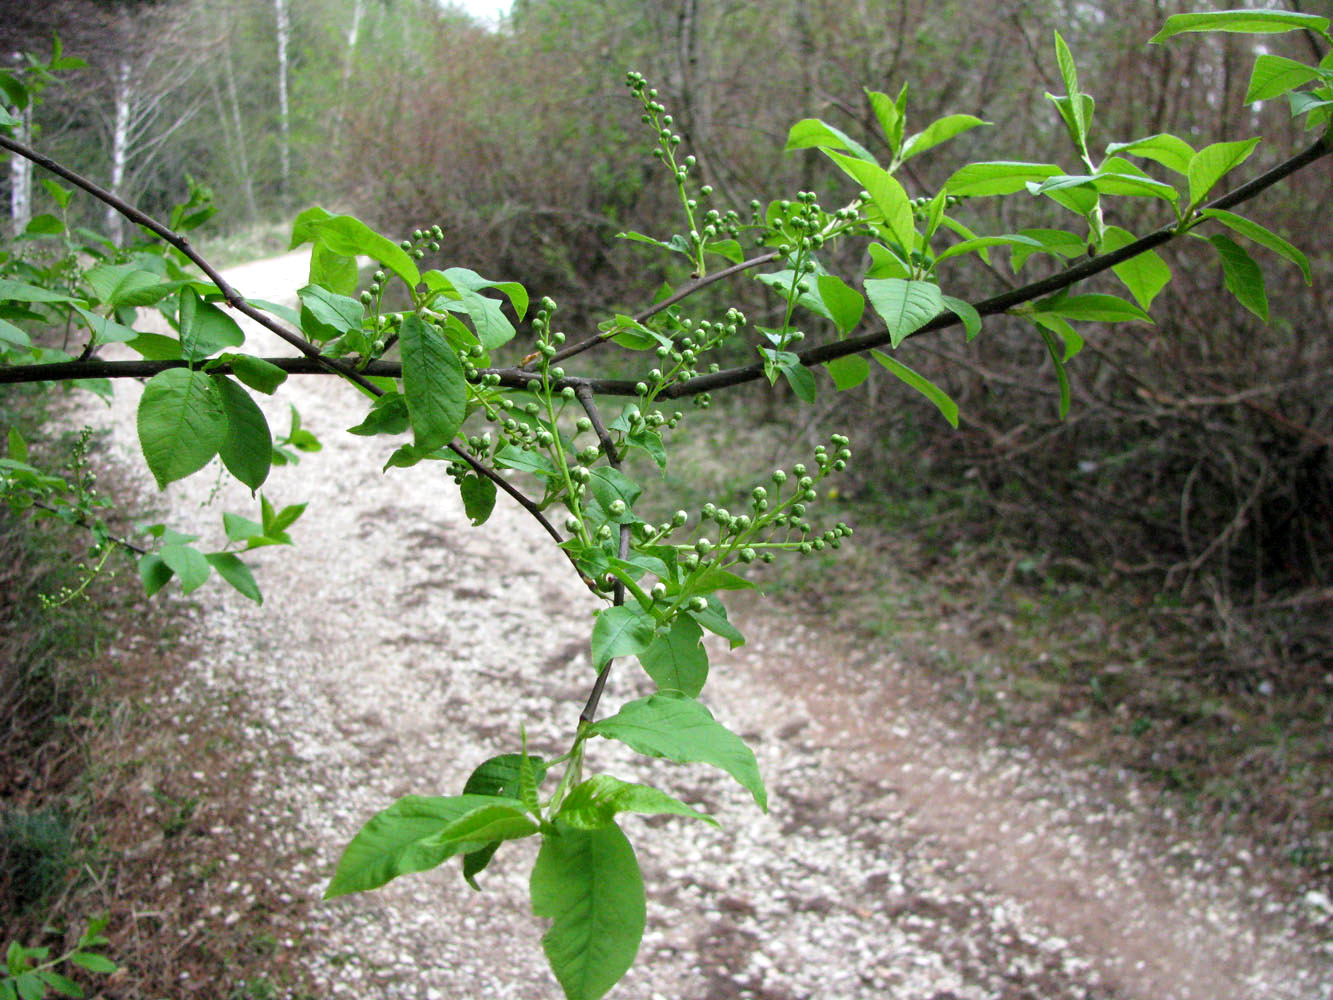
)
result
[(518, 378), (233, 298)]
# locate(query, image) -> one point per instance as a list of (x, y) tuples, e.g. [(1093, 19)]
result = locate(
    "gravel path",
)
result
[(901, 857)]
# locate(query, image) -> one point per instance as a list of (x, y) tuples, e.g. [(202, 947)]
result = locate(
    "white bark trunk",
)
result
[(120, 137), (353, 33), (284, 110), (20, 177)]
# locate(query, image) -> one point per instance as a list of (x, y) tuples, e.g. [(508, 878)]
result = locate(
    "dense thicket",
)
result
[(1198, 450)]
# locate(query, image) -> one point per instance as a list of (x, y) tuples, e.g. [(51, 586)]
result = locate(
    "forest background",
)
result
[(1152, 574)]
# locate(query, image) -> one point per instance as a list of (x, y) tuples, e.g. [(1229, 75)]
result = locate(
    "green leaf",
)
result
[(677, 727), (921, 384), (938, 131), (1077, 109), (350, 236), (1093, 308), (433, 384), (802, 381), (609, 485), (29, 986), (492, 326), (845, 304), (326, 315), (1144, 275), (276, 523), (1264, 237), (848, 372), (499, 776), (44, 224), (677, 661), (596, 802), (729, 249), (997, 177), (811, 132), (1168, 150), (1210, 164), (188, 563), (19, 291), (333, 271), (125, 285), (626, 630), (260, 375), (892, 115), (905, 306), (409, 836), (235, 572), (1275, 75), (478, 494), (886, 194), (18, 448), (588, 883), (181, 423), (388, 415), (205, 329), (1242, 275), (154, 573), (1073, 341), (964, 311), (1242, 21), (984, 242), (247, 448), (714, 618), (61, 984), (1061, 376)]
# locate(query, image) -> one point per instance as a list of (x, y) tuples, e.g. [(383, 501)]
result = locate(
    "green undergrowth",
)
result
[(1070, 657)]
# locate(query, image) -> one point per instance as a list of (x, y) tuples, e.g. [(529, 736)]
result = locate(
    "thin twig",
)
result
[(585, 398)]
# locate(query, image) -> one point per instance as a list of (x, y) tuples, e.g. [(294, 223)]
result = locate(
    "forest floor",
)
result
[(911, 849)]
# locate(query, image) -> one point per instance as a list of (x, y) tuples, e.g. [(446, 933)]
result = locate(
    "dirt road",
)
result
[(901, 857)]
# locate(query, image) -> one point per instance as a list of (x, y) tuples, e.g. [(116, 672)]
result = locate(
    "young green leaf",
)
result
[(188, 563), (326, 315), (672, 725), (410, 836), (1242, 275), (964, 311), (1168, 150), (1093, 308), (997, 178), (1264, 237), (588, 883), (1275, 75), (905, 306), (1242, 21), (886, 195), (596, 802), (349, 236), (609, 485), (503, 777), (1077, 117), (848, 372), (892, 115), (236, 573), (478, 494), (939, 131), (260, 375), (947, 407), (845, 304), (1061, 376), (677, 661), (1210, 164), (181, 423), (626, 630), (1144, 275), (119, 285), (247, 448), (433, 384), (811, 132), (714, 618), (205, 329)]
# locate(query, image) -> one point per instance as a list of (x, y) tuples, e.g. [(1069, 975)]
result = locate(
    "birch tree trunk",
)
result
[(284, 109), (120, 138), (20, 177), (349, 57)]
